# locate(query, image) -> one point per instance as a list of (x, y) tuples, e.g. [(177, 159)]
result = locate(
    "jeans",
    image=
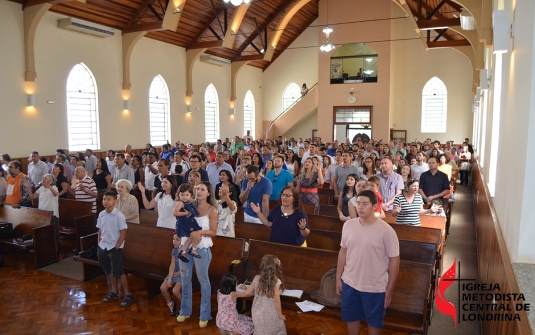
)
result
[(464, 176), (201, 268)]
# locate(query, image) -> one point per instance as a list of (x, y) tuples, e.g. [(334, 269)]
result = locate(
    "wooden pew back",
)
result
[(71, 209), (148, 217), (24, 219), (412, 287), (329, 210), (252, 231), (302, 268)]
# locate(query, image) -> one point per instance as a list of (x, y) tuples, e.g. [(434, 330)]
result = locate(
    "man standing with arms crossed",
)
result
[(367, 269)]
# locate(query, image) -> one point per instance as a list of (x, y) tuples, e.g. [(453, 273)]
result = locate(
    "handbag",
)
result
[(466, 166), (326, 295), (89, 253), (6, 229)]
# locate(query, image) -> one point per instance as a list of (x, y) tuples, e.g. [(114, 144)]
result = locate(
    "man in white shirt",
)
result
[(213, 169), (122, 170), (420, 167), (36, 169), (179, 161), (110, 160), (90, 161), (248, 136), (310, 153), (151, 171)]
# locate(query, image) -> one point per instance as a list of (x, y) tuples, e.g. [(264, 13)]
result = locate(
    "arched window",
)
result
[(248, 113), (82, 109), (159, 111), (291, 93), (211, 114), (434, 106)]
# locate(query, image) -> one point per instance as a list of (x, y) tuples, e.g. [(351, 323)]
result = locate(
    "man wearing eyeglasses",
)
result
[(391, 183), (255, 189), (195, 164), (279, 177)]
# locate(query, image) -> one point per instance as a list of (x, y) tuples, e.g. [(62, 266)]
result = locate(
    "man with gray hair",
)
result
[(391, 183), (36, 169), (213, 169), (85, 188)]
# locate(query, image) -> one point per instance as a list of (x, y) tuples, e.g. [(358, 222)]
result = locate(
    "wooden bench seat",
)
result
[(303, 269), (148, 217), (147, 254), (37, 223), (76, 218)]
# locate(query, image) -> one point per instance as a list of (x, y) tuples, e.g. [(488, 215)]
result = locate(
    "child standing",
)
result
[(173, 279), (112, 227), (266, 287), (227, 315), (373, 185), (185, 213)]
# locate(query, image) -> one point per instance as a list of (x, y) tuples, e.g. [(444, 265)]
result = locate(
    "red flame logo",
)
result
[(443, 304)]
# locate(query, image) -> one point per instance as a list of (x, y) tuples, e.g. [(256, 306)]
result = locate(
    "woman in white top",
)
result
[(48, 198), (291, 162), (164, 200), (207, 220)]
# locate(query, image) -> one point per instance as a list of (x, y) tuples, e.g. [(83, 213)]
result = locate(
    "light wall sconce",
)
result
[(176, 10), (502, 31), (233, 111), (127, 104), (188, 109), (483, 79), (50, 102), (31, 100)]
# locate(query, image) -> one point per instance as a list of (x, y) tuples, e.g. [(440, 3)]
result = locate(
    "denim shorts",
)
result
[(174, 279), (111, 261), (357, 305)]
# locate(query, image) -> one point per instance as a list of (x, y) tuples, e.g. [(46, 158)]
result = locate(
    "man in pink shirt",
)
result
[(368, 266)]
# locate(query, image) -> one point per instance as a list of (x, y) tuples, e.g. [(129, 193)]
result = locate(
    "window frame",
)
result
[(72, 90), (434, 87), (249, 110), (154, 102), (215, 106), (285, 106)]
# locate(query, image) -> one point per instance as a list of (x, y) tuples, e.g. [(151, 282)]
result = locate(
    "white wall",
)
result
[(299, 65), (304, 127), (56, 51), (412, 66), (514, 197)]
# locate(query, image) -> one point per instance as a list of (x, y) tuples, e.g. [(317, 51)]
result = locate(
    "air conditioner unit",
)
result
[(214, 60), (86, 27)]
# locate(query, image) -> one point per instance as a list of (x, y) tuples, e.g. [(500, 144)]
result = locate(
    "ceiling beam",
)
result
[(454, 5), (29, 3), (446, 44), (155, 12), (270, 19), (206, 45), (148, 27), (428, 24), (215, 33), (249, 58), (194, 41), (139, 13), (235, 23), (440, 34), (437, 8)]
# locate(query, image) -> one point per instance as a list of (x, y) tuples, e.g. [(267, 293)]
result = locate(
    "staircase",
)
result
[(293, 114)]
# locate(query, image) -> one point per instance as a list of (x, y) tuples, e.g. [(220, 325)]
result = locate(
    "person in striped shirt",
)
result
[(85, 188), (408, 205)]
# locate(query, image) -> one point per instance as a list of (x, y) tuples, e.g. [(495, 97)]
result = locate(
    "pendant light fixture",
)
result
[(327, 45)]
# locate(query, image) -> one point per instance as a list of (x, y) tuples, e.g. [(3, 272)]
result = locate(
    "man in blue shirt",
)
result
[(166, 153), (279, 177), (257, 189)]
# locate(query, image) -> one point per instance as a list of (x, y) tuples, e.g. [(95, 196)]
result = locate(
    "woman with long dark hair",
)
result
[(256, 160), (227, 194), (348, 192), (101, 176), (58, 173)]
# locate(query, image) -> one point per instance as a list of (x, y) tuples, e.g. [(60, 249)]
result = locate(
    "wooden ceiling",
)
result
[(438, 13), (202, 23)]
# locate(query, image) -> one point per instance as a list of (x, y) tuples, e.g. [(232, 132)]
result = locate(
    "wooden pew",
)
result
[(329, 210), (148, 217), (325, 199), (147, 253), (37, 223), (303, 269), (77, 217)]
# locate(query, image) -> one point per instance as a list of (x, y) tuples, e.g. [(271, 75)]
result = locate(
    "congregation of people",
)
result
[(197, 190)]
